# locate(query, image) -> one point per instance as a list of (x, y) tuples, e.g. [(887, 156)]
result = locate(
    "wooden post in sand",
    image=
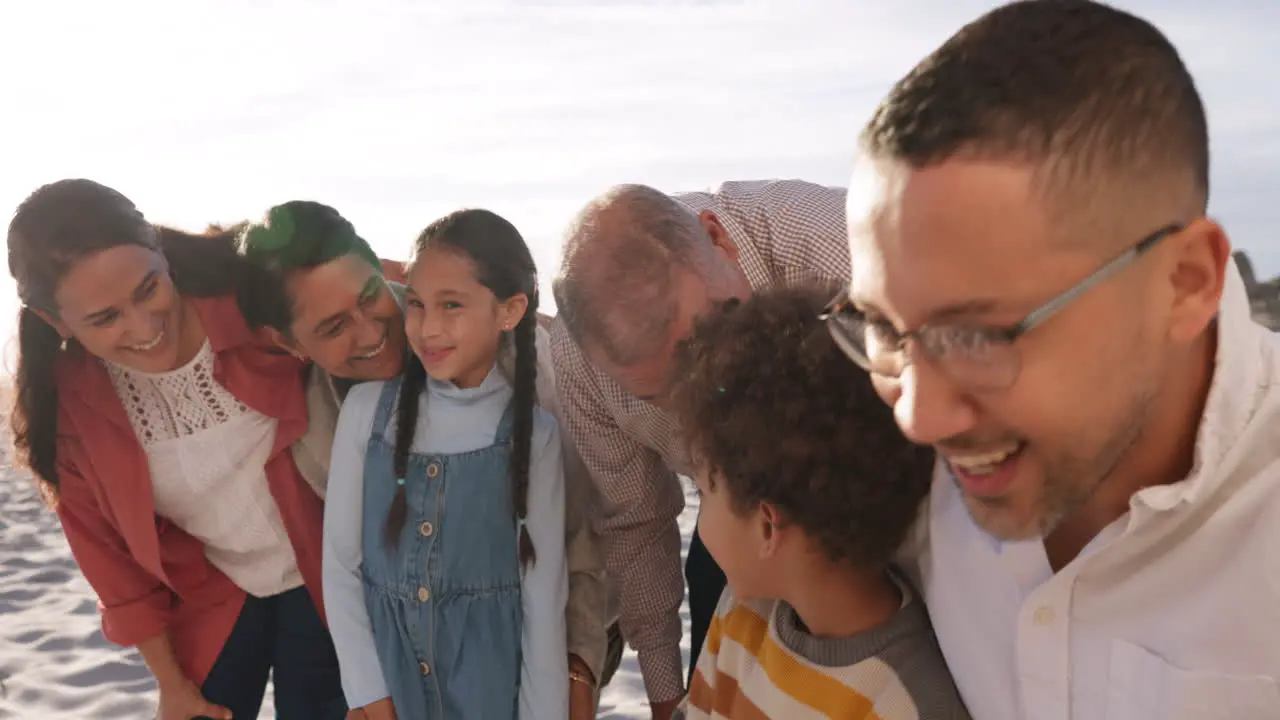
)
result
[(1264, 297)]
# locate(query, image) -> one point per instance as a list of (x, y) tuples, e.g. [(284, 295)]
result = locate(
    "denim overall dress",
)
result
[(445, 604)]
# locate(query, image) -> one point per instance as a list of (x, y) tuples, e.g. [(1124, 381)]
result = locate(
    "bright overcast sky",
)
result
[(397, 112)]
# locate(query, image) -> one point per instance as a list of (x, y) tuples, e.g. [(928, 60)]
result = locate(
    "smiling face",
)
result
[(966, 242), (453, 323), (346, 320), (121, 305)]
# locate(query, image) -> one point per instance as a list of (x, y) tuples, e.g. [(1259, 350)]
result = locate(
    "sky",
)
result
[(399, 111)]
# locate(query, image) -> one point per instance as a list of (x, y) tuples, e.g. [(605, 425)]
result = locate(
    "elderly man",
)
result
[(638, 267), (1040, 296), (324, 296)]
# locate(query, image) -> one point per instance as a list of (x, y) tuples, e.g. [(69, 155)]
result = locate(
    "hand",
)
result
[(181, 700), (663, 710), (380, 710)]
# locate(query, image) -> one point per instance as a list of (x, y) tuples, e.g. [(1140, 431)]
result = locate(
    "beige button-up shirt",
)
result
[(787, 232)]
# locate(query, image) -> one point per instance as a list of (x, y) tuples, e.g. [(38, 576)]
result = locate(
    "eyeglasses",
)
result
[(977, 357)]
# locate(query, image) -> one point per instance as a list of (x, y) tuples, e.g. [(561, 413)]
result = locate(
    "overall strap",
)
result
[(503, 436), (386, 404)]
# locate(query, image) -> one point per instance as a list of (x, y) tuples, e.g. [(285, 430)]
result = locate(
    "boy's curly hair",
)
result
[(770, 406)]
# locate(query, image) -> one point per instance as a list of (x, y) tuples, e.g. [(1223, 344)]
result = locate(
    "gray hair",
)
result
[(622, 257)]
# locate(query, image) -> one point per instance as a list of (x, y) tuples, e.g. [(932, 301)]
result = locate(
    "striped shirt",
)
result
[(787, 232), (758, 662)]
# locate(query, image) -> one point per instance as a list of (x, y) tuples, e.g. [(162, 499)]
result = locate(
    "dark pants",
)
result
[(282, 637), (706, 582)]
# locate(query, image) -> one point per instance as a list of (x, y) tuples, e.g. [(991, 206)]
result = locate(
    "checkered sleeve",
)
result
[(799, 226), (641, 500)]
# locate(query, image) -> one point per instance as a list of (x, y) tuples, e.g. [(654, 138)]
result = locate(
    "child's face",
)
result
[(453, 323), (740, 544)]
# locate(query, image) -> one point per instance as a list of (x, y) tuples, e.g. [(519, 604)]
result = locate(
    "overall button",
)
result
[(425, 668), (426, 529), (423, 594), (433, 470), (1044, 615)]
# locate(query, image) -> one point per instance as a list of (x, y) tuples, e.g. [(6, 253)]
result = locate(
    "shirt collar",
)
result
[(493, 383), (750, 256), (1246, 369)]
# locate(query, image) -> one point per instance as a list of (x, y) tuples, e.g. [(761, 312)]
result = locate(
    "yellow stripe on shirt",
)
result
[(806, 685)]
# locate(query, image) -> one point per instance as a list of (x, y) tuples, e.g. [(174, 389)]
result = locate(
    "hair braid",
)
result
[(411, 384), (525, 396)]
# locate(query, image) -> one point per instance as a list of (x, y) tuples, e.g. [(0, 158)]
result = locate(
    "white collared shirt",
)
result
[(1171, 613)]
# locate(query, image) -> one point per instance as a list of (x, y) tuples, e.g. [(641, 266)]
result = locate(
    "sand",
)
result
[(55, 663)]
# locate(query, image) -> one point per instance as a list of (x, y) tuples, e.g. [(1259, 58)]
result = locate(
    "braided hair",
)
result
[(505, 266)]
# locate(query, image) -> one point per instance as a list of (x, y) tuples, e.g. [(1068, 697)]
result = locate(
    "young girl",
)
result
[(160, 428), (444, 567)]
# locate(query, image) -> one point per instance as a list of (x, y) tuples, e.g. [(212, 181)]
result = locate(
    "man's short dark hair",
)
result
[(775, 411), (1094, 97)]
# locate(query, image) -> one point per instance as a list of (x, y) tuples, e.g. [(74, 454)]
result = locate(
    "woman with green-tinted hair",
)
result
[(319, 289), (327, 297)]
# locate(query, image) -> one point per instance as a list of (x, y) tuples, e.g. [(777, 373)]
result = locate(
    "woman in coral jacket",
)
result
[(159, 426)]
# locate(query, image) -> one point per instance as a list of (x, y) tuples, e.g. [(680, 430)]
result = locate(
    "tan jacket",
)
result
[(585, 614)]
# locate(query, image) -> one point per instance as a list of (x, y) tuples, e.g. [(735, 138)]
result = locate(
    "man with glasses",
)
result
[(1038, 294)]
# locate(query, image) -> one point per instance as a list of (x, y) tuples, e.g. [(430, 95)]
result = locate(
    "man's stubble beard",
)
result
[(1069, 484)]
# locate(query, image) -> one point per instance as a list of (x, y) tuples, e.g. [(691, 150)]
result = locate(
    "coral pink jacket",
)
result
[(149, 575)]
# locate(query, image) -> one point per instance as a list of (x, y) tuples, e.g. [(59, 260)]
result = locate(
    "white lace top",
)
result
[(207, 451)]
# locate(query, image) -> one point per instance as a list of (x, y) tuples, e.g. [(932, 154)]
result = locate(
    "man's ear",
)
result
[(1197, 275), (63, 330), (720, 238), (286, 343)]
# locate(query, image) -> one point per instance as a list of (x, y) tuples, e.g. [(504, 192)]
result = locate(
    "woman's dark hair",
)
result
[(774, 412), (54, 227), (504, 265), (295, 235)]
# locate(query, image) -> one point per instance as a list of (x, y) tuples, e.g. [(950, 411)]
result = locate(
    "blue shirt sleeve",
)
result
[(544, 673), (362, 680)]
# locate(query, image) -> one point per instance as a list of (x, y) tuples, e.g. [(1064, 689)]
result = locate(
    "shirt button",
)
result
[(423, 594), (425, 668), (433, 470), (426, 529), (1044, 615)]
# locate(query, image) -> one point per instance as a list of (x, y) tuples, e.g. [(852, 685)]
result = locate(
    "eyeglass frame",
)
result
[(1006, 335)]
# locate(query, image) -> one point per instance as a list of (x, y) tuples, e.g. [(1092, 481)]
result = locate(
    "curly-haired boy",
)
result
[(808, 488)]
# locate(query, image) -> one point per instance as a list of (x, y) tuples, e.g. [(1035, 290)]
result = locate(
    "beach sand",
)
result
[(54, 662)]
